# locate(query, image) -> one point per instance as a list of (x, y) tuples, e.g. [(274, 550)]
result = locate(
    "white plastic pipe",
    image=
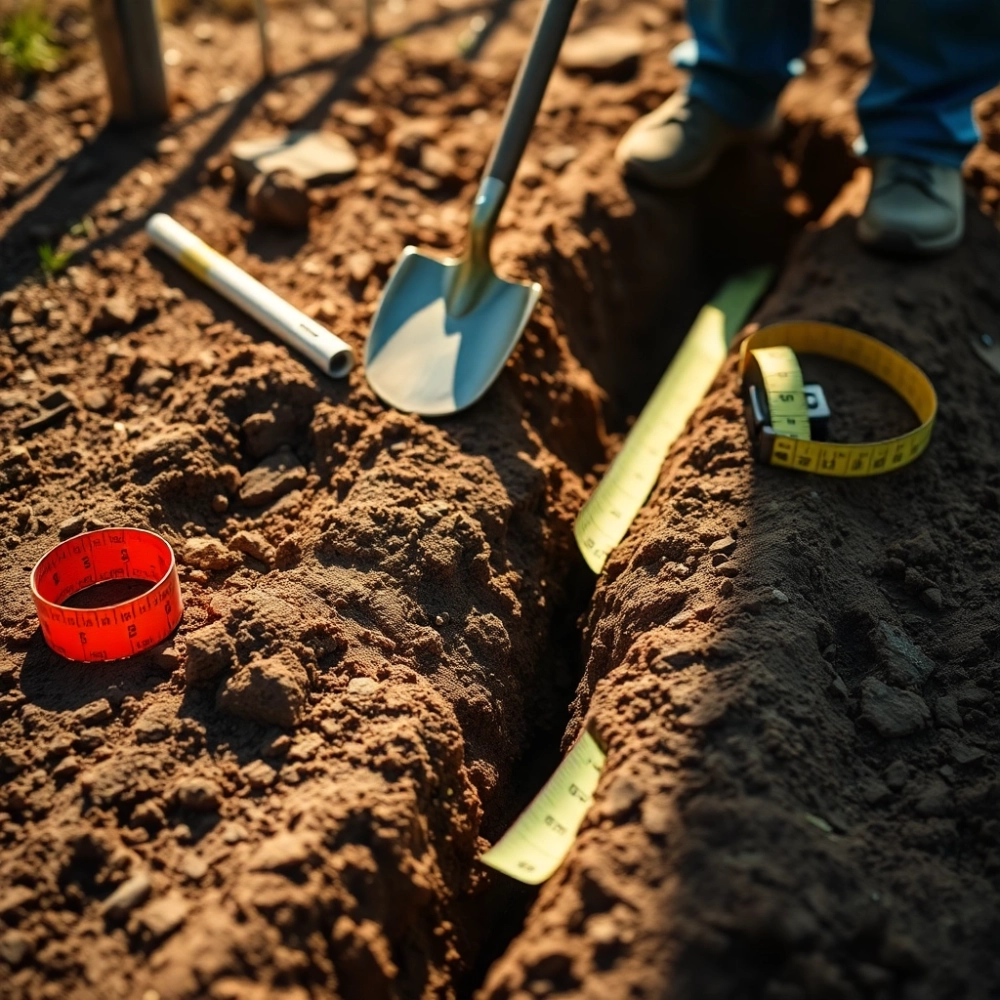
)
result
[(294, 327)]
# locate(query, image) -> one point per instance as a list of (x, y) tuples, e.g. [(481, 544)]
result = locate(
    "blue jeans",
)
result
[(932, 58)]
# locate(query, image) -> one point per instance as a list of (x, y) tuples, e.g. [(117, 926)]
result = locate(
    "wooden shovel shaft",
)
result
[(128, 33)]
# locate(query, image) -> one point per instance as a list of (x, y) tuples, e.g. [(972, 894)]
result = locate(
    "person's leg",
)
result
[(932, 58), (739, 62), (743, 51)]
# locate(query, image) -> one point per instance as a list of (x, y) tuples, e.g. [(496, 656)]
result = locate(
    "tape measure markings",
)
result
[(609, 512), (865, 352), (534, 847), (117, 630)]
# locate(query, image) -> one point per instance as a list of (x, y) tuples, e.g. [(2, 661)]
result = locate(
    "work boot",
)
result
[(916, 209), (676, 145)]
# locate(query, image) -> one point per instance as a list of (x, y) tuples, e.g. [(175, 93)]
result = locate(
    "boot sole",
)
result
[(897, 244)]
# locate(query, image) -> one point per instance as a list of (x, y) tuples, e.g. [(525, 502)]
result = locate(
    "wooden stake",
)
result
[(128, 32)]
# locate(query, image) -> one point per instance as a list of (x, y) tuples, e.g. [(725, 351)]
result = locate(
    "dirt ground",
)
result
[(387, 618)]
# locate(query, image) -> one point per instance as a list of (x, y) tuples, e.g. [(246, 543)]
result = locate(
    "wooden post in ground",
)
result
[(128, 32)]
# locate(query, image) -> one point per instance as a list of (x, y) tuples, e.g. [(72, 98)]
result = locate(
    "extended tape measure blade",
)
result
[(607, 515), (534, 847)]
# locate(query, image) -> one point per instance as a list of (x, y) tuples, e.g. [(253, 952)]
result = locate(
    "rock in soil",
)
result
[(312, 157), (279, 198)]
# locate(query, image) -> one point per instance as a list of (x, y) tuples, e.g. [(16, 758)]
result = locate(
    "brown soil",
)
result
[(380, 643)]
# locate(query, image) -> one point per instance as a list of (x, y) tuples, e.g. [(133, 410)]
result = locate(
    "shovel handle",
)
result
[(529, 89)]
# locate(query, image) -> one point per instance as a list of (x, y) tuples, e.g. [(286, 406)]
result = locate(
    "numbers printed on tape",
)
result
[(773, 349), (534, 847), (117, 630)]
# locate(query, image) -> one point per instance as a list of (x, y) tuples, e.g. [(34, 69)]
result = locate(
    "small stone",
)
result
[(360, 265), (166, 657), (932, 598), (559, 157), (279, 198), (271, 690), (15, 947), (207, 553), (68, 767), (362, 687), (204, 31), (890, 711), (946, 712), (198, 793), (194, 866), (153, 379), (896, 775), (962, 753), (726, 545), (273, 478), (95, 712), (235, 833), (220, 503), (603, 53), (313, 157), (437, 162), (209, 653), (96, 400), (153, 726), (729, 569), (905, 663), (779, 596), (117, 313), (166, 146), (360, 117), (253, 544), (130, 894), (838, 685), (21, 317), (284, 850), (163, 916), (259, 774)]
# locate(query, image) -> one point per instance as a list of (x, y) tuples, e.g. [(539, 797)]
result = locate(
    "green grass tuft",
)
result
[(53, 261), (26, 43)]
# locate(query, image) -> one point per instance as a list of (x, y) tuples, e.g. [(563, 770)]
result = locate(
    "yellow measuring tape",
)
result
[(781, 433), (607, 515), (534, 847)]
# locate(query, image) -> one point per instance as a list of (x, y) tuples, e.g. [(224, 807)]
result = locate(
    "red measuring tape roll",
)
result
[(118, 630)]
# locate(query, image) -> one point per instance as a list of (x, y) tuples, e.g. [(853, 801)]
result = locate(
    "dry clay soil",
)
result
[(389, 635)]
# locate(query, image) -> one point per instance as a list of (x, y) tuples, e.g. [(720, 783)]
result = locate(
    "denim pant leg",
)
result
[(743, 51), (932, 58)]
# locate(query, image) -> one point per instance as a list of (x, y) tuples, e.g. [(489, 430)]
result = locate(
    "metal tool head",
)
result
[(445, 328)]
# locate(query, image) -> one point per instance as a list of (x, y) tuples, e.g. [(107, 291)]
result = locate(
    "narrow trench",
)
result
[(624, 315)]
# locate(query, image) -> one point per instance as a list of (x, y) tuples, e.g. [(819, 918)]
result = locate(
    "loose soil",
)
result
[(795, 677)]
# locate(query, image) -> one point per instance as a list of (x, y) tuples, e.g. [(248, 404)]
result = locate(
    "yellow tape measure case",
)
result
[(787, 420)]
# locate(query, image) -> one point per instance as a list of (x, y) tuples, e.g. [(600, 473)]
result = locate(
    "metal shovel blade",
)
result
[(426, 357)]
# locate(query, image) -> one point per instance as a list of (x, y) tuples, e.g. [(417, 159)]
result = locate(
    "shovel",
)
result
[(445, 328)]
